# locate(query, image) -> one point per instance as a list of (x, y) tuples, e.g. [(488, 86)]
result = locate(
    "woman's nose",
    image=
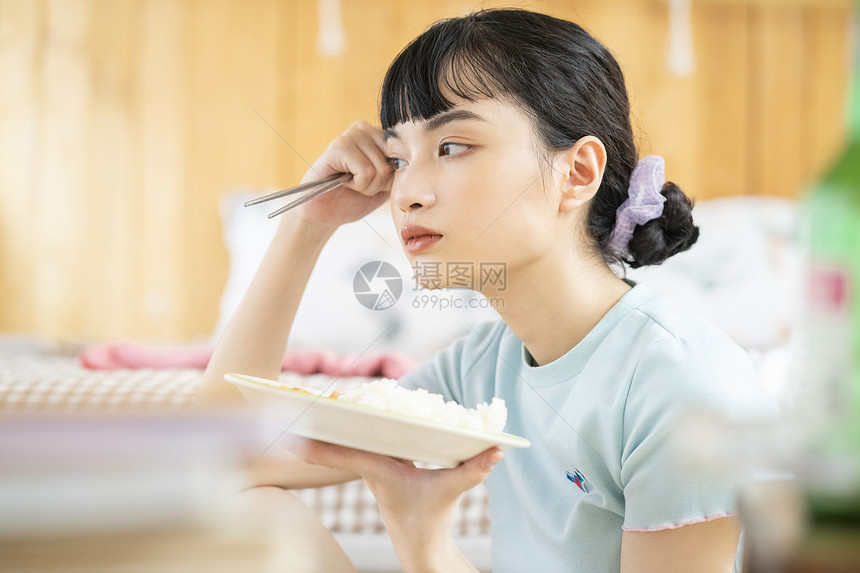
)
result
[(413, 190)]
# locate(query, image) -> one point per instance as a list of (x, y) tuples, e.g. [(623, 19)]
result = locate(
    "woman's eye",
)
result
[(449, 148), (395, 162)]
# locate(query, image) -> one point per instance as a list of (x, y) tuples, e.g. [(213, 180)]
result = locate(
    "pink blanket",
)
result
[(136, 355)]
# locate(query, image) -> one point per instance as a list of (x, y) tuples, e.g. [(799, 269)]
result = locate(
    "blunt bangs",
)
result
[(454, 56)]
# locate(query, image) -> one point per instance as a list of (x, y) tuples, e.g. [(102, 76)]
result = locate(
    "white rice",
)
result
[(385, 394)]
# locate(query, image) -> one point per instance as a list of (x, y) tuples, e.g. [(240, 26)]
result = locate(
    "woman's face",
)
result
[(469, 190)]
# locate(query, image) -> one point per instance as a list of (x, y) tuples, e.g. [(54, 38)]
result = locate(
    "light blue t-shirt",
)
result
[(600, 420)]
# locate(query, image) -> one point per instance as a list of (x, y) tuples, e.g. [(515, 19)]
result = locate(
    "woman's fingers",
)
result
[(470, 473), (369, 141), (357, 151), (382, 170), (353, 160), (378, 468)]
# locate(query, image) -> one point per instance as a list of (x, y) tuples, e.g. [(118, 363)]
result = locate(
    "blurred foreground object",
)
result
[(799, 478), (823, 504), (770, 465), (829, 352), (129, 492)]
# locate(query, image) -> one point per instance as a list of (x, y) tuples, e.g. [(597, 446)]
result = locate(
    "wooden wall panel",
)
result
[(723, 37), (110, 214), (777, 77), (61, 191), (19, 108), (216, 43), (166, 107), (828, 58), (123, 123), (277, 125)]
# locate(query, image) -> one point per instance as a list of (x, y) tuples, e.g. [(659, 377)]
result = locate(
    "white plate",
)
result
[(370, 429)]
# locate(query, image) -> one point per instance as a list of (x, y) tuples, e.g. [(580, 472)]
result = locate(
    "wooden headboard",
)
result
[(122, 123)]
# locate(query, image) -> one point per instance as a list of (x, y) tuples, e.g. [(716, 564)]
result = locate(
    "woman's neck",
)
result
[(553, 303)]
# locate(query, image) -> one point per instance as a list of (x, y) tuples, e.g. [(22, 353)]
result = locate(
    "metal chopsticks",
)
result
[(324, 185)]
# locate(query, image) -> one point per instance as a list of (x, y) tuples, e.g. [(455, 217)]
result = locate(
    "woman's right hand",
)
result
[(360, 150)]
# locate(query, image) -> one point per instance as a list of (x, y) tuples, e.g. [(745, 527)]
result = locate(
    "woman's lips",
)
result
[(417, 244), (418, 238)]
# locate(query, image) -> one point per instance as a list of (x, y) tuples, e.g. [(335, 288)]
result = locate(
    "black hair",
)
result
[(568, 83)]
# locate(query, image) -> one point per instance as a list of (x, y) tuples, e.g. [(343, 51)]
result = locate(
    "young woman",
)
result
[(506, 139)]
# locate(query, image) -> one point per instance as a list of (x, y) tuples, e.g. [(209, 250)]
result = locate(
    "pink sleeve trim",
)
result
[(679, 525)]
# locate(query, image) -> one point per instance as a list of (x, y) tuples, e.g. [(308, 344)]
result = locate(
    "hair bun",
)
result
[(671, 233)]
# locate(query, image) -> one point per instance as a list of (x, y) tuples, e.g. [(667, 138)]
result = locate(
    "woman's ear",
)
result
[(582, 169)]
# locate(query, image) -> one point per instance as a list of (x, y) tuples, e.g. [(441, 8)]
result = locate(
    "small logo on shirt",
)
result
[(578, 479)]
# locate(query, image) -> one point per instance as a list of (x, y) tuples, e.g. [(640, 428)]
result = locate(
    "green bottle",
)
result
[(830, 326)]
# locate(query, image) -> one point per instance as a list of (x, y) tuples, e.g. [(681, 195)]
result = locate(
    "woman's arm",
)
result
[(256, 336), (708, 547)]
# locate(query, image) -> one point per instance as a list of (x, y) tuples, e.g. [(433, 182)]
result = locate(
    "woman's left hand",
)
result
[(419, 506)]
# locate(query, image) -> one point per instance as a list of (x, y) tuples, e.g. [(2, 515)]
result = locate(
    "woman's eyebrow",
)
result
[(437, 121), (447, 117)]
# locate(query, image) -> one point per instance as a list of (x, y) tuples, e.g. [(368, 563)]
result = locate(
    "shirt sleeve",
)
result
[(676, 378)]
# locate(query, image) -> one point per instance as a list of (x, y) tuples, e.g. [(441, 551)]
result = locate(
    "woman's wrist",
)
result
[(296, 227), (443, 557)]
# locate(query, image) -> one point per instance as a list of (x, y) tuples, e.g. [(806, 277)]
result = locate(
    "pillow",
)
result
[(330, 315), (743, 273)]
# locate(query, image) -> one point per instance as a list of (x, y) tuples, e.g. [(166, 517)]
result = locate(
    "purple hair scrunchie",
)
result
[(644, 202)]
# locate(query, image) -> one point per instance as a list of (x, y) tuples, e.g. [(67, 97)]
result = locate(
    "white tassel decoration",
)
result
[(680, 57), (331, 40)]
